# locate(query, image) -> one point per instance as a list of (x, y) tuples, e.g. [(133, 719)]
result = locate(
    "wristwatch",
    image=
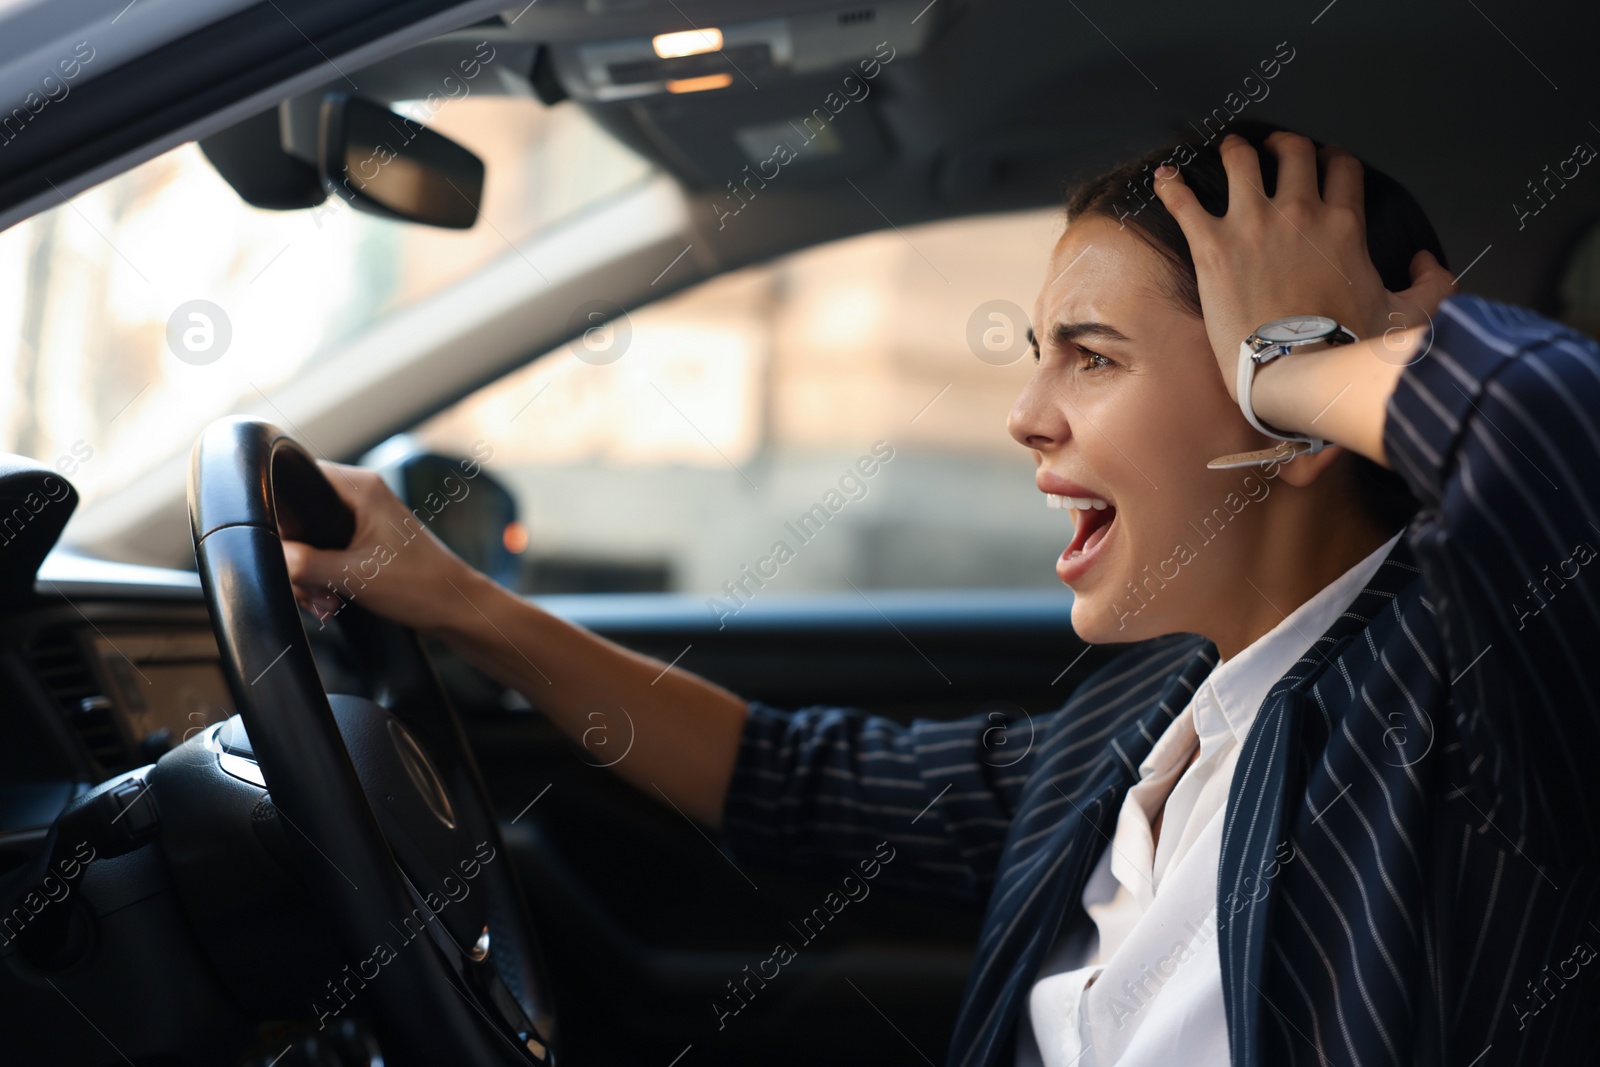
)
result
[(1269, 341)]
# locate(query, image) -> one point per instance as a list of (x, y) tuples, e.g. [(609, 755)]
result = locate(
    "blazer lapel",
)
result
[(1267, 789), (1041, 881)]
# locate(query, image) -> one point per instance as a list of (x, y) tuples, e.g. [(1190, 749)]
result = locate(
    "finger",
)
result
[(347, 481), (324, 610), (1425, 268), (319, 602), (1297, 166), (1342, 180), (1246, 193), (325, 603), (1179, 200), (1430, 282), (296, 558), (310, 568)]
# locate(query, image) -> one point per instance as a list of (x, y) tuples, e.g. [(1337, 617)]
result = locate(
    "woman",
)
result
[(1330, 806)]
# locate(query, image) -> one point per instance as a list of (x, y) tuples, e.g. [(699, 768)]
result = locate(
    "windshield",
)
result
[(146, 307)]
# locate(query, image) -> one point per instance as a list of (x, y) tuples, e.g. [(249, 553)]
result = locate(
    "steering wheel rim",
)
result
[(251, 486)]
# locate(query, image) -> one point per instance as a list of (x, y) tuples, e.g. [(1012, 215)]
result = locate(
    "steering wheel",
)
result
[(399, 841)]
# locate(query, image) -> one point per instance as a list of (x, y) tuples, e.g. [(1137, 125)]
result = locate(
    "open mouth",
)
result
[(1092, 519)]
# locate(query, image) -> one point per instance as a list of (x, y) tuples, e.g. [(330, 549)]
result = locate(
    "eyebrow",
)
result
[(1067, 333)]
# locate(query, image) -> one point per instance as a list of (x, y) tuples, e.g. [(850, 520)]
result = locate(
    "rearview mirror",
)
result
[(386, 164)]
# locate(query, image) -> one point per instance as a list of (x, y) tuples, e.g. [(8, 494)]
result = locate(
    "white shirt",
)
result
[(1141, 985)]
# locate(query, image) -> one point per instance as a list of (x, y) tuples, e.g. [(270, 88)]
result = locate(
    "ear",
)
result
[(1303, 470)]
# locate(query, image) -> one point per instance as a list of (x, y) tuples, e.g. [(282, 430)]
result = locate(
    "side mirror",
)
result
[(386, 164), (466, 507)]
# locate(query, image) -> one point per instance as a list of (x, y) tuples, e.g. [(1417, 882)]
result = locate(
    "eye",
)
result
[(1089, 360)]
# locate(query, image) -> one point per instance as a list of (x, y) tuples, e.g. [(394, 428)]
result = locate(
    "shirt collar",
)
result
[(1226, 703)]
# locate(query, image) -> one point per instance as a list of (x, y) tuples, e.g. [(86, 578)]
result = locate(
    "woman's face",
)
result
[(1126, 405)]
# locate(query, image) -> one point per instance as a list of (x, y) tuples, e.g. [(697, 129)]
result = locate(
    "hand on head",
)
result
[(1300, 251)]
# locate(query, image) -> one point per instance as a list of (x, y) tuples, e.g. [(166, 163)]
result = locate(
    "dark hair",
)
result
[(1397, 229)]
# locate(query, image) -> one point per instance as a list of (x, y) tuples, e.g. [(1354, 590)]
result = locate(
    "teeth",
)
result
[(1080, 503)]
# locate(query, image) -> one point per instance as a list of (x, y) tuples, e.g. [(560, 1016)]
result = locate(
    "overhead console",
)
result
[(722, 101), (753, 54)]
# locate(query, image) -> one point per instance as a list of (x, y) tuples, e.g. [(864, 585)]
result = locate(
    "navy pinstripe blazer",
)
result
[(1431, 761)]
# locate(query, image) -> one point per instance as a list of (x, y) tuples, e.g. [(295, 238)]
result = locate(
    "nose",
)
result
[(1038, 419)]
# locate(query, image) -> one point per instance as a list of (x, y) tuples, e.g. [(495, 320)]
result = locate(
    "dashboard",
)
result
[(104, 670)]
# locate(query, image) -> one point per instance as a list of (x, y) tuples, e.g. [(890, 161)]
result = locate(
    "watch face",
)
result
[(1298, 329)]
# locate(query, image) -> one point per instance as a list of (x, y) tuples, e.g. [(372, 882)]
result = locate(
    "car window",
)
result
[(829, 420), (103, 360)]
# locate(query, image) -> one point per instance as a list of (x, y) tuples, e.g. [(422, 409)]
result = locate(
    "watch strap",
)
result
[(1279, 453), (1244, 380)]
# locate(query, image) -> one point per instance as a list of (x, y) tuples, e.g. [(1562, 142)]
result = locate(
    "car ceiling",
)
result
[(1465, 102), (1010, 102)]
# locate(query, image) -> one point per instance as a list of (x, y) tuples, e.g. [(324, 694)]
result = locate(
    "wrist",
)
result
[(1285, 390), (1338, 394), (466, 604)]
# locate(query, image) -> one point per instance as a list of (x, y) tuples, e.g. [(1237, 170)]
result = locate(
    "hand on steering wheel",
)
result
[(393, 564)]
